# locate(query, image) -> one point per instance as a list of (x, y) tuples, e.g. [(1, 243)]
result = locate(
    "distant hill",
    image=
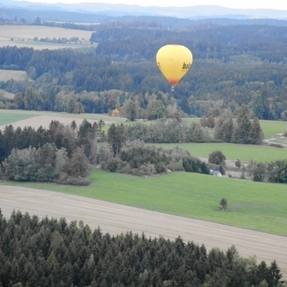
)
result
[(194, 12)]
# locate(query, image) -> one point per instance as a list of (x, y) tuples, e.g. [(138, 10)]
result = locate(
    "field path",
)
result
[(116, 218)]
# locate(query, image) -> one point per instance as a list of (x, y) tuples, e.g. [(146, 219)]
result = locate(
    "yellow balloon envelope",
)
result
[(174, 61)]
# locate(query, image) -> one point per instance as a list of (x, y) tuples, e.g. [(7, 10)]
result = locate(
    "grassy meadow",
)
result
[(11, 117), (243, 152), (258, 206), (270, 128)]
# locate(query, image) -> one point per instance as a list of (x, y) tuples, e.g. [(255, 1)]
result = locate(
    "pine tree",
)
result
[(242, 131), (256, 134), (117, 138), (131, 110)]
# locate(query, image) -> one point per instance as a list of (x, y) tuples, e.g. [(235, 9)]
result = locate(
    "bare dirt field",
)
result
[(6, 95), (115, 218), (23, 36), (36, 119), (7, 75), (44, 121)]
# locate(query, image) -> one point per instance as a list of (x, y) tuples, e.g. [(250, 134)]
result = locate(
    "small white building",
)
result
[(215, 172)]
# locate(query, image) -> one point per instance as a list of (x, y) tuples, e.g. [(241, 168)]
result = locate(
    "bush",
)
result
[(80, 181), (46, 164), (217, 157), (195, 165), (223, 204), (237, 163), (145, 169), (33, 164), (114, 164), (137, 154)]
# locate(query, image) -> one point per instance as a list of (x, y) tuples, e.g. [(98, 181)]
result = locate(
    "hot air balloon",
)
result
[(174, 61)]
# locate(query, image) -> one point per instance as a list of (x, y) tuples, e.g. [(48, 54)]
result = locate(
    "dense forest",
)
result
[(49, 252), (233, 65)]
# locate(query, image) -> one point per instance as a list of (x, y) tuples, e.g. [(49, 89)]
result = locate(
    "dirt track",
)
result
[(115, 218)]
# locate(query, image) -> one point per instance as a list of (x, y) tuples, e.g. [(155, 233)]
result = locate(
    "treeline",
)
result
[(49, 252), (236, 128), (232, 67), (67, 137), (213, 41), (149, 105), (59, 153), (168, 131)]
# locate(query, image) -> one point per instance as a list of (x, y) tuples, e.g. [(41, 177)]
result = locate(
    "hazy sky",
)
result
[(268, 4)]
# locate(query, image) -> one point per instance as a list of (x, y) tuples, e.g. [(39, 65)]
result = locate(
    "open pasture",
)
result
[(24, 35), (9, 117), (271, 128), (257, 206), (260, 153)]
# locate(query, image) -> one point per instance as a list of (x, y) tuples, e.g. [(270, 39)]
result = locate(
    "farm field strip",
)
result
[(36, 119), (271, 128), (12, 117), (257, 206), (16, 75), (260, 153), (115, 218), (23, 36)]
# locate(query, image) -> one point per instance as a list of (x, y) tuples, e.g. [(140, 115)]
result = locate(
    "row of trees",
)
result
[(51, 252), (168, 131), (239, 128)]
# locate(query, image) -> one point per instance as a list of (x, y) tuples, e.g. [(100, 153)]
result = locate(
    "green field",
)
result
[(233, 151), (271, 128), (252, 205), (11, 117)]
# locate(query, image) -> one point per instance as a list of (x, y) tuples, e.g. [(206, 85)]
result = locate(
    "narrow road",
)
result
[(116, 218)]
